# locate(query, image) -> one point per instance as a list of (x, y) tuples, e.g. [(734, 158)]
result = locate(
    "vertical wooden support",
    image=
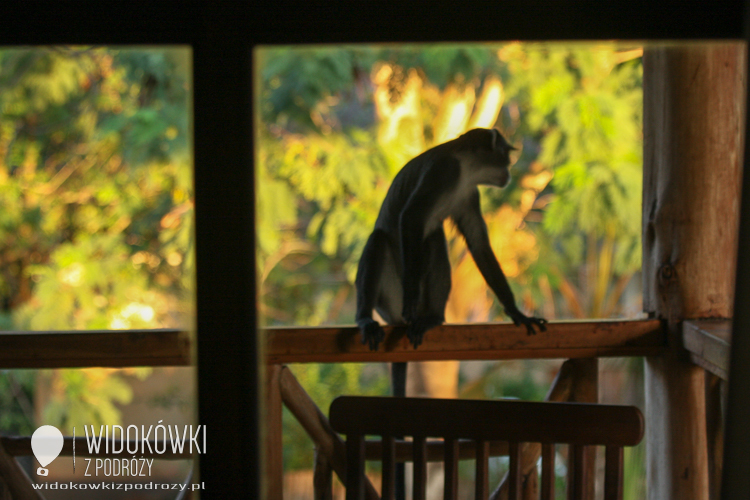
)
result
[(586, 390), (514, 472), (548, 471), (450, 491), (388, 476), (420, 467), (322, 477), (577, 473), (229, 365), (693, 102), (274, 463), (355, 467), (613, 469)]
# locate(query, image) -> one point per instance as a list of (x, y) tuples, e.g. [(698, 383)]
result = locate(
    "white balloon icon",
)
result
[(46, 443)]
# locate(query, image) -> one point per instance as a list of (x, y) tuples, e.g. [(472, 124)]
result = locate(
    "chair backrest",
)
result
[(515, 422)]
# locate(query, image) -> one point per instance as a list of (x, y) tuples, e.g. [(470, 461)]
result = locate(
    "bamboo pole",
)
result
[(693, 129)]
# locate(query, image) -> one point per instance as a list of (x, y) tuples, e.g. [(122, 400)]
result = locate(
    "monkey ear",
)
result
[(497, 139), (499, 142)]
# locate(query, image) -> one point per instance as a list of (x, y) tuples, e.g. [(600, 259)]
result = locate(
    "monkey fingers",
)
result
[(530, 322)]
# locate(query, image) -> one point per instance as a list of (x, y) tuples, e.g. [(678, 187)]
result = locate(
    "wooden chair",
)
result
[(575, 424)]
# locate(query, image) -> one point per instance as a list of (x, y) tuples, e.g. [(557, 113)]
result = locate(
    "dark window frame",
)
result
[(222, 35)]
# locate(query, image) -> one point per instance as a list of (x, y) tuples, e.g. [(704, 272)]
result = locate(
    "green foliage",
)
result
[(95, 201), (584, 107)]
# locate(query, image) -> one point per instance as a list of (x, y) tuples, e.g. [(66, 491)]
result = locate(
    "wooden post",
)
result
[(692, 128), (274, 463), (586, 390)]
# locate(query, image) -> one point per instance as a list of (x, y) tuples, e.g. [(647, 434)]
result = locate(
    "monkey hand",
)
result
[(372, 333), (521, 319)]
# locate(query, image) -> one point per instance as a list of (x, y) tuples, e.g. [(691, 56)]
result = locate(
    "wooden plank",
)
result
[(709, 344), (563, 339), (524, 421), (107, 348)]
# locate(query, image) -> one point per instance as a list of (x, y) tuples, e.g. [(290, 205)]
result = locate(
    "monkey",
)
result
[(404, 272)]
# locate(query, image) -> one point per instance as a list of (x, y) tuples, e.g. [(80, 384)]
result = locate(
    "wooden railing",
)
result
[(170, 347)]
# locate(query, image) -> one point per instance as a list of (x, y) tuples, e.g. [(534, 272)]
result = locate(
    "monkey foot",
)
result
[(372, 333), (417, 328)]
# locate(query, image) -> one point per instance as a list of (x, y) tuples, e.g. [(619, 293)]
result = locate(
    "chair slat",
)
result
[(576, 473), (482, 478), (451, 469), (548, 471), (355, 467), (388, 486), (613, 473), (515, 477), (420, 468)]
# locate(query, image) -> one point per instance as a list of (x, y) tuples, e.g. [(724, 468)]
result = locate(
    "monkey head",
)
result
[(485, 156)]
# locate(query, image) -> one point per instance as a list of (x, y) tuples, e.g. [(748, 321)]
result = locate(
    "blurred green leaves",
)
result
[(95, 203)]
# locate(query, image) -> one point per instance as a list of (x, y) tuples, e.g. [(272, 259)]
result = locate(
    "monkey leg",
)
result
[(368, 284), (435, 287)]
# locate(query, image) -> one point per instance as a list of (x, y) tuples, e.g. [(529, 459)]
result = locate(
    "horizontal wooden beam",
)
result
[(709, 341), (100, 348), (563, 339), (171, 347), (20, 446)]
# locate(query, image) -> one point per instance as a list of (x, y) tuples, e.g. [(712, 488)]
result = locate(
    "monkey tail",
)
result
[(398, 379), (398, 387)]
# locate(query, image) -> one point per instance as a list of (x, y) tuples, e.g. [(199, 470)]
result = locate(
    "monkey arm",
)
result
[(471, 224)]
